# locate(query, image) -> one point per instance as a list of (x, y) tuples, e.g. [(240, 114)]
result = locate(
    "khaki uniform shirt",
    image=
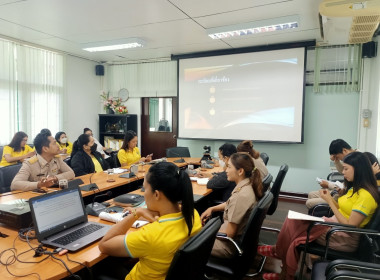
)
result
[(239, 206), (260, 165), (37, 167)]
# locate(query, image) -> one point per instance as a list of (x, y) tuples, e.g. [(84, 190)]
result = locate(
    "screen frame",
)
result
[(292, 45)]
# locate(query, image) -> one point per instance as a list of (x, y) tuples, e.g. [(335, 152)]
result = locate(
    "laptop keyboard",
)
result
[(77, 234)]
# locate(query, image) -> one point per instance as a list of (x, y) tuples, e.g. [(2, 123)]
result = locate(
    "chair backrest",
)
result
[(1, 151), (250, 238), (335, 176), (267, 180), (276, 187), (7, 175), (264, 157), (190, 260), (177, 152)]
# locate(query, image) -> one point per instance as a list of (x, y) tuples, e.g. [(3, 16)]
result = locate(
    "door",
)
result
[(158, 125)]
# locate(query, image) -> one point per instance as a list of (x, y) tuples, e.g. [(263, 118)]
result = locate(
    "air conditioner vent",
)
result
[(366, 19)]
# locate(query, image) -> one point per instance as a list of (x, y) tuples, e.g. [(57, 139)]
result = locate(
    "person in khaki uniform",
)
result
[(44, 169), (241, 170)]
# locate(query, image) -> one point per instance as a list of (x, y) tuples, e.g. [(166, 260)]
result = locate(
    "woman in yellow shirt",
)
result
[(84, 158), (173, 220), (17, 150), (129, 153), (65, 146)]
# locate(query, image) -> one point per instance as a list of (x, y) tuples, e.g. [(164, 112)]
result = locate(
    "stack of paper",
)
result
[(117, 217)]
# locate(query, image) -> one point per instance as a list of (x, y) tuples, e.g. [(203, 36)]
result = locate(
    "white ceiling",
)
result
[(168, 26)]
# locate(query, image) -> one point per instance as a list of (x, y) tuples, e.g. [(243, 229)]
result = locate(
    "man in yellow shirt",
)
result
[(43, 169), (17, 150)]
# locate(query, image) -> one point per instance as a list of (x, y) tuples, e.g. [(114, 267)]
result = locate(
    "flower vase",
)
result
[(110, 111)]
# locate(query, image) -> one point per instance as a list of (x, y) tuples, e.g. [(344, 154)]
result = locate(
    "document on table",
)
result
[(299, 216)]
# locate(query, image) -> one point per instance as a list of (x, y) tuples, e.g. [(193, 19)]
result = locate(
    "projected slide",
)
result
[(257, 96)]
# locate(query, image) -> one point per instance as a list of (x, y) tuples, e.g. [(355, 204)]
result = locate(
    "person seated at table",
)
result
[(218, 182), (241, 170), (247, 147), (43, 169), (85, 159), (375, 166), (99, 147), (173, 220), (17, 151), (356, 208), (65, 146), (129, 153), (338, 149)]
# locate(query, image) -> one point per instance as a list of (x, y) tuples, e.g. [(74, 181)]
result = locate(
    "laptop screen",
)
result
[(57, 211)]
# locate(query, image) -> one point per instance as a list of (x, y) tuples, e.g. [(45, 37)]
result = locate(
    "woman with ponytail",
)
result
[(247, 147), (241, 170), (173, 220)]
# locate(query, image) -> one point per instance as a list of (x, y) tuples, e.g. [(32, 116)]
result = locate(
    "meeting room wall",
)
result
[(82, 97), (328, 115)]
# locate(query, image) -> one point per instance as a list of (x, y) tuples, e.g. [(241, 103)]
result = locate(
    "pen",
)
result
[(126, 213)]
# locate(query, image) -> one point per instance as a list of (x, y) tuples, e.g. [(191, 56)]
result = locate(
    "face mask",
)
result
[(93, 148), (64, 140), (221, 163)]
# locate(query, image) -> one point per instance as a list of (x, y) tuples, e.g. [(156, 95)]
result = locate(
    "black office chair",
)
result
[(267, 180), (177, 152), (335, 176), (276, 187), (369, 242), (114, 161), (275, 190), (1, 151), (264, 157), (190, 260), (344, 270), (7, 174), (246, 246)]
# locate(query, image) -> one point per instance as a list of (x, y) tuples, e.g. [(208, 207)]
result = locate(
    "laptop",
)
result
[(60, 220)]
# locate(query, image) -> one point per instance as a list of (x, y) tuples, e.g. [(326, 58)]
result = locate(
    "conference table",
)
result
[(52, 268)]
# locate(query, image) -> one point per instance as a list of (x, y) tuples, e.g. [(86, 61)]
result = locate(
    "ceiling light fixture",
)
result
[(114, 45), (254, 27)]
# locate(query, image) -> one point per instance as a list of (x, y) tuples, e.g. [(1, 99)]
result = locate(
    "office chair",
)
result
[(264, 157), (246, 245), (275, 190), (177, 152), (7, 174), (190, 260), (345, 269), (267, 180), (335, 176), (1, 151), (366, 251)]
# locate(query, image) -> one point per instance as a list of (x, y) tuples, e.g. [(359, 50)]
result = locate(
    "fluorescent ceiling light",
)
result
[(254, 27), (113, 45)]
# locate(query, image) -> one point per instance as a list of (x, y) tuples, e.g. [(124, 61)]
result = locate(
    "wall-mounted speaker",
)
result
[(99, 70), (369, 50)]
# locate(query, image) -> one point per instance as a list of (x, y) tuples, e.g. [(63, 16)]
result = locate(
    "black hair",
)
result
[(176, 186), (227, 149), (363, 174), (83, 139), (16, 141), (58, 135), (337, 146), (86, 129), (40, 141), (373, 159), (46, 131), (129, 135), (245, 161)]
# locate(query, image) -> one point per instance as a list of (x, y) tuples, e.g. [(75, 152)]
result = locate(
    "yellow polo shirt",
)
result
[(10, 151), (69, 147), (155, 245), (361, 202), (129, 157), (98, 166)]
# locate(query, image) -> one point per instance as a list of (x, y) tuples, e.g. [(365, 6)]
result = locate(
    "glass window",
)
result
[(160, 114)]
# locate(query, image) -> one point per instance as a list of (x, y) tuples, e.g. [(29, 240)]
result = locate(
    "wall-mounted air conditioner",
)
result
[(348, 22)]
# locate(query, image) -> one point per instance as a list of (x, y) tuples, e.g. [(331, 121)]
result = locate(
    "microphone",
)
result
[(95, 208), (181, 160), (91, 186)]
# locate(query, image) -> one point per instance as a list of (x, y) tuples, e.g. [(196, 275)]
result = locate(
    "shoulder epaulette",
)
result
[(33, 159)]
